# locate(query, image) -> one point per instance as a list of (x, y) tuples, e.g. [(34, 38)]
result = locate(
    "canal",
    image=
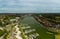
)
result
[(43, 32)]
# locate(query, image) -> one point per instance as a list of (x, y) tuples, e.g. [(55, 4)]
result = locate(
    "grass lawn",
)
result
[(43, 33), (57, 36), (2, 32)]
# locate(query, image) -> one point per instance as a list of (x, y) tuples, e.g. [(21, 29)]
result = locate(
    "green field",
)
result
[(57, 36), (43, 33), (2, 32)]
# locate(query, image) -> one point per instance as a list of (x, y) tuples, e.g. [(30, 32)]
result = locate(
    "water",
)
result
[(43, 33)]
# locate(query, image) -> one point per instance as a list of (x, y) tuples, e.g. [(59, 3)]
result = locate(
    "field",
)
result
[(57, 36), (43, 33)]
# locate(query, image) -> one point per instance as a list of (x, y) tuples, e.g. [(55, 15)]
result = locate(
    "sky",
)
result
[(29, 6)]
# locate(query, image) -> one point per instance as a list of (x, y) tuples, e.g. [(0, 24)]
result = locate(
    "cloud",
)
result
[(29, 6)]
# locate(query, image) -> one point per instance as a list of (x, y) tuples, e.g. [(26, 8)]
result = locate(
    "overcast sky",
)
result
[(29, 6)]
